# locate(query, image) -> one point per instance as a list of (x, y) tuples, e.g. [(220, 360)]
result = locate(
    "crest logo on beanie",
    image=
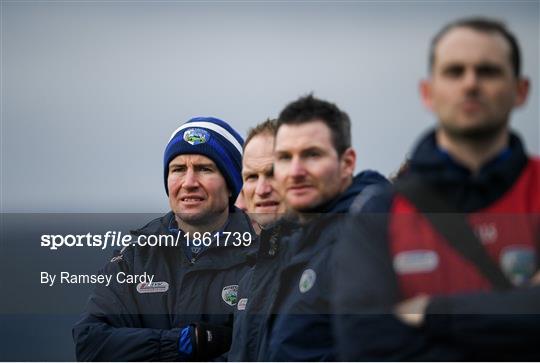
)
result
[(196, 136)]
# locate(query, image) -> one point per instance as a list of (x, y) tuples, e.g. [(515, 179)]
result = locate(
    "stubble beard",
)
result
[(201, 218), (478, 134)]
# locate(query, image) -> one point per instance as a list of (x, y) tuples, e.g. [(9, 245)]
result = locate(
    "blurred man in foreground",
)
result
[(446, 272)]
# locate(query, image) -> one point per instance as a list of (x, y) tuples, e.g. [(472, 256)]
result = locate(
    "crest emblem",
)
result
[(229, 294), (518, 263), (307, 280), (196, 136)]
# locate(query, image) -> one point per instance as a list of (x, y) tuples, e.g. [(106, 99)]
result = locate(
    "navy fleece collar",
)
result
[(342, 203), (465, 190)]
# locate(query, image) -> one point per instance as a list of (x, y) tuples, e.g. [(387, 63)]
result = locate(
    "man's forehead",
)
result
[(195, 159), (258, 164), (259, 145), (463, 44), (260, 149), (303, 136)]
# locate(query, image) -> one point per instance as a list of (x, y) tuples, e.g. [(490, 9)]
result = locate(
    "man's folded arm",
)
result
[(477, 320), (97, 340), (110, 329)]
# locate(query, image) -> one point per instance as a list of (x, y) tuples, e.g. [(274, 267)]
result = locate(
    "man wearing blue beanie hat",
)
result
[(185, 311), (213, 138)]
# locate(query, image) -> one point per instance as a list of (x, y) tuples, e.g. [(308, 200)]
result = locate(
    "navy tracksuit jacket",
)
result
[(124, 322), (299, 327)]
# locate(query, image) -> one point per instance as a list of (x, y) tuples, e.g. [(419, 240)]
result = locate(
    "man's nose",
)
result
[(264, 187), (470, 80), (297, 169), (190, 179)]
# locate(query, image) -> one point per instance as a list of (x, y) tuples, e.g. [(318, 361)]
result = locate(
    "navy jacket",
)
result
[(300, 325), (257, 290), (129, 322), (465, 326)]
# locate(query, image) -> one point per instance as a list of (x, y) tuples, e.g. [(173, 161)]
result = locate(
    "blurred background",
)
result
[(91, 90)]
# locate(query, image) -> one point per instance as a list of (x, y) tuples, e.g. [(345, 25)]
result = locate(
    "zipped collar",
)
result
[(342, 202), (191, 250), (224, 256), (465, 190), (309, 240)]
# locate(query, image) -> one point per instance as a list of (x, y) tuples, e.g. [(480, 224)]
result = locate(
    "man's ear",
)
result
[(426, 93), (522, 91), (348, 161)]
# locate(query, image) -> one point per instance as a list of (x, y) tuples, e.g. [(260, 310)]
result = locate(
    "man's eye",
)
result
[(488, 71), (283, 157), (453, 71), (313, 154), (251, 177)]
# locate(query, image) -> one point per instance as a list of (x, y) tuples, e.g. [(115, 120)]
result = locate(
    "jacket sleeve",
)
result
[(110, 329), (365, 292), (498, 321), (480, 325)]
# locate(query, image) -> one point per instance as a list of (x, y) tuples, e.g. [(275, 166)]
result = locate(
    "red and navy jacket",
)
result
[(394, 253)]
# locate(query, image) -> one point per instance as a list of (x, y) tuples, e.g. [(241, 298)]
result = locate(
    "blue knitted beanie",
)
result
[(213, 138)]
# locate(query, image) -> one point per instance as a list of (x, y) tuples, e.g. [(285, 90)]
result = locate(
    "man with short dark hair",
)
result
[(314, 168), (446, 269), (482, 25), (185, 312)]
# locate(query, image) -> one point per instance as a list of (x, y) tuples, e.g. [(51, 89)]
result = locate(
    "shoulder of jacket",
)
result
[(128, 253), (155, 226)]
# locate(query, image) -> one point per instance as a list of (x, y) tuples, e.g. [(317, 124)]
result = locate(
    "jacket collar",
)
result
[(315, 233), (465, 190), (342, 203)]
